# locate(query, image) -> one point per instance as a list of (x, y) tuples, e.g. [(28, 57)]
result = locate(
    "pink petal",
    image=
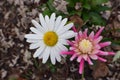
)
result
[(89, 61), (74, 29), (72, 48), (77, 37), (97, 46), (102, 53), (81, 66), (97, 40), (91, 36), (95, 51), (94, 57), (70, 43), (111, 53), (85, 57), (99, 32), (67, 52), (85, 33), (102, 59), (73, 57), (105, 44), (80, 34), (79, 59)]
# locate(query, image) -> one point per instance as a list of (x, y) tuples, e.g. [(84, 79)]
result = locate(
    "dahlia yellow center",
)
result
[(50, 38), (85, 46)]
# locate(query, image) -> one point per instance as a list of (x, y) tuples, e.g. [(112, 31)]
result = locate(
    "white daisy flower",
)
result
[(50, 37)]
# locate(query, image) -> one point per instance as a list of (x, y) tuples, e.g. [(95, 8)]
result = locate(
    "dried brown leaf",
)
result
[(77, 21), (99, 70)]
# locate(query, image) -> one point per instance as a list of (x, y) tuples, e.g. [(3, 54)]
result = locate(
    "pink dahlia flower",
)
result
[(87, 48)]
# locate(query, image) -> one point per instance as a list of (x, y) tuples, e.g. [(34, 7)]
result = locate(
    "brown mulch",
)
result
[(16, 61)]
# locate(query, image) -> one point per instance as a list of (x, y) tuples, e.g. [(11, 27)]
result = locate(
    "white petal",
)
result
[(57, 54), (63, 41), (63, 22), (35, 45), (61, 47), (47, 22), (52, 21), (42, 21), (52, 56), (33, 40), (36, 31), (38, 26), (67, 35), (46, 54), (65, 28), (33, 36), (39, 51), (58, 57), (58, 49), (41, 55), (57, 22), (47, 19)]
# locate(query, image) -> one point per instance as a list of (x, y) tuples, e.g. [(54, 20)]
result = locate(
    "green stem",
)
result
[(83, 76)]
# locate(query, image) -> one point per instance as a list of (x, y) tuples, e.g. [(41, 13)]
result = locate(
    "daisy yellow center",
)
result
[(50, 38), (85, 46)]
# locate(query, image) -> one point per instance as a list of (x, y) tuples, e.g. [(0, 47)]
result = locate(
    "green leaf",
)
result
[(100, 8), (71, 10), (117, 56), (114, 42), (52, 67), (47, 12), (50, 6), (85, 16), (72, 2), (87, 6), (97, 19), (98, 2)]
